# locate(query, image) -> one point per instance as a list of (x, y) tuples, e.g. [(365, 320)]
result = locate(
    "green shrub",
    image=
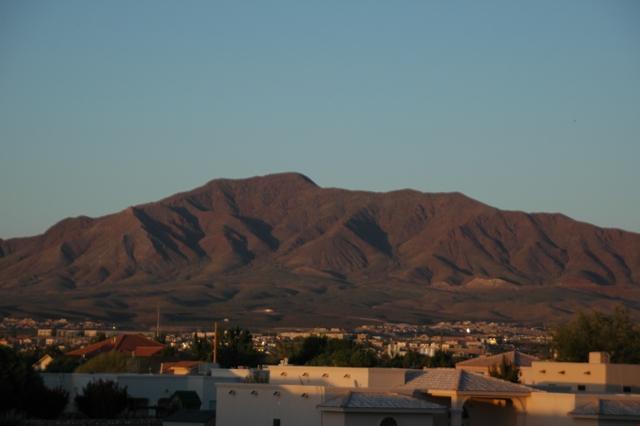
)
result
[(22, 391), (114, 362), (47, 403), (102, 399)]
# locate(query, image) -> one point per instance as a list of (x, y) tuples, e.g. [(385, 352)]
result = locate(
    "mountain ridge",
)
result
[(336, 241)]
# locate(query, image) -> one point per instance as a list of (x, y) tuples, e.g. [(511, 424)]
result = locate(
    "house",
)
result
[(483, 364), (130, 344), (42, 363), (316, 396), (331, 396)]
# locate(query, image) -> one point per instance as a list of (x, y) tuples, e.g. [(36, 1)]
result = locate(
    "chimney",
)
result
[(598, 358)]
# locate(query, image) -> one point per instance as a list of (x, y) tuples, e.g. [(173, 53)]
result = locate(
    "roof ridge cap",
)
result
[(459, 378), (347, 400), (118, 342)]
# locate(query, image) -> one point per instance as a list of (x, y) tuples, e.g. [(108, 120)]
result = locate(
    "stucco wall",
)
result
[(570, 374), (486, 413), (595, 377), (624, 375), (545, 409), (333, 419), (238, 406), (319, 376), (386, 377)]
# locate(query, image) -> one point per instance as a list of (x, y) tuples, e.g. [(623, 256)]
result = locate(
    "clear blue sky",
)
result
[(525, 105)]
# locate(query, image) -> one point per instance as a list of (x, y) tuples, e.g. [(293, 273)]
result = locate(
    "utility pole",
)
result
[(214, 347), (157, 320)]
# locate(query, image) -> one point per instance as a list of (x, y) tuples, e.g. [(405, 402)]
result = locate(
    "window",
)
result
[(388, 421), (582, 387), (276, 422), (626, 389)]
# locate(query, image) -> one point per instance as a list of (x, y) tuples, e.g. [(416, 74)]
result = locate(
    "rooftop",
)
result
[(628, 408), (451, 379), (380, 401), (125, 343)]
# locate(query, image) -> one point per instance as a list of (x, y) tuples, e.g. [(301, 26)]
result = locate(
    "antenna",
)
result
[(214, 347), (157, 320)]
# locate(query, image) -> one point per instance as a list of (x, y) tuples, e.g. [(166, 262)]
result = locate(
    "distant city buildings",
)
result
[(462, 339)]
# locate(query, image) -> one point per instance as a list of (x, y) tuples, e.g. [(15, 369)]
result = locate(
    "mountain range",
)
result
[(279, 250)]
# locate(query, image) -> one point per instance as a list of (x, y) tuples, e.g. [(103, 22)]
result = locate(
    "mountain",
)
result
[(279, 249)]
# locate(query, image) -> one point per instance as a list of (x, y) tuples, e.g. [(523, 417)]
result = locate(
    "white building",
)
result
[(332, 396), (151, 387)]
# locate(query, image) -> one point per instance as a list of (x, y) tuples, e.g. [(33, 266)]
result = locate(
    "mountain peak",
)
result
[(291, 178)]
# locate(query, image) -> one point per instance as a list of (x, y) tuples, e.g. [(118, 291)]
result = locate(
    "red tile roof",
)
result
[(135, 344)]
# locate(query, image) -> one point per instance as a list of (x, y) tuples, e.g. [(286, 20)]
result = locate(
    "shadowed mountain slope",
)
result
[(274, 239)]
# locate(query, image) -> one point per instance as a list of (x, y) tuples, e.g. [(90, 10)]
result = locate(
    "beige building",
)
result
[(332, 396), (311, 405), (598, 375), (347, 396)]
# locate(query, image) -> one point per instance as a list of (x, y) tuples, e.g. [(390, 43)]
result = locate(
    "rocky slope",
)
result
[(283, 245)]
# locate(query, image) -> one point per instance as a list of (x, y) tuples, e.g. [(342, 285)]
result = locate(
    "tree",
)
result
[(595, 331), (46, 403), (114, 362), (16, 378), (22, 389), (285, 349), (63, 364), (441, 359), (312, 347), (236, 349), (102, 399), (506, 370), (315, 350), (201, 348), (411, 359)]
